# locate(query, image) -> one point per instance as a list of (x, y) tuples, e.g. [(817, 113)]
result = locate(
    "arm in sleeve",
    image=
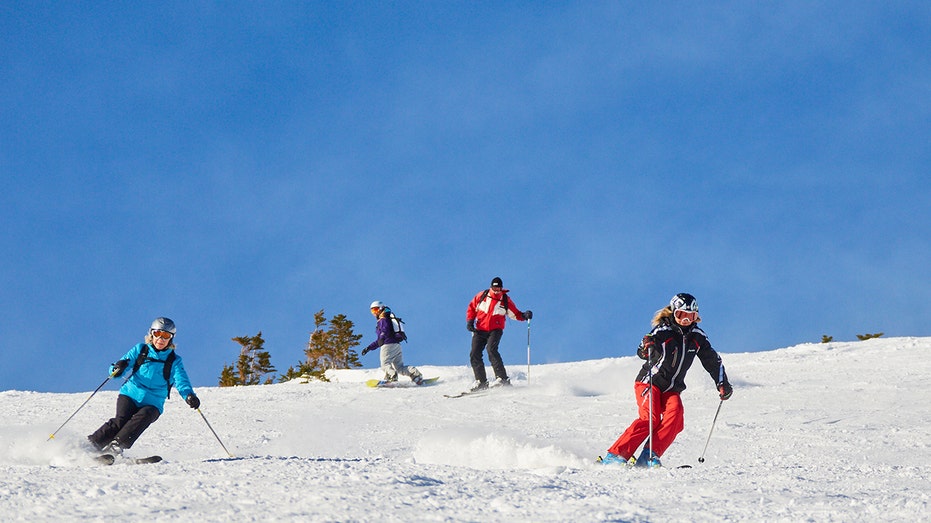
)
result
[(179, 378), (711, 361), (513, 312), (471, 309), (130, 358)]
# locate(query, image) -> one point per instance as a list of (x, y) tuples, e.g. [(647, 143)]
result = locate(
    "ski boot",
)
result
[(479, 385), (648, 459), (613, 459)]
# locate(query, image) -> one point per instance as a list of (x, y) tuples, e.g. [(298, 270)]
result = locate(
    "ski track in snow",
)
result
[(815, 432)]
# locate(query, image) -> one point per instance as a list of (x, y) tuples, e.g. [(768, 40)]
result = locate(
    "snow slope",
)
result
[(815, 432)]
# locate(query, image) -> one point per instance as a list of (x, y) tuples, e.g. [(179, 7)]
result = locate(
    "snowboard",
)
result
[(400, 384)]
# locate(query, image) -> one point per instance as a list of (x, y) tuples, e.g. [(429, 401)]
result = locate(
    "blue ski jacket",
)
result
[(148, 385)]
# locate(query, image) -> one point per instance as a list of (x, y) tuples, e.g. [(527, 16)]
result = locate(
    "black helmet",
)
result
[(163, 324), (683, 302)]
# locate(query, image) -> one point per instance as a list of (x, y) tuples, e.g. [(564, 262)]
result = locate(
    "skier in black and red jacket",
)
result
[(670, 348), (485, 318)]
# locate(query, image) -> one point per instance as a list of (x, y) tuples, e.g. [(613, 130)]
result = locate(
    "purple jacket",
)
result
[(385, 333)]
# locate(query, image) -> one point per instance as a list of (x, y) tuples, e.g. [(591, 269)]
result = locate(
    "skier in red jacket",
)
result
[(485, 318)]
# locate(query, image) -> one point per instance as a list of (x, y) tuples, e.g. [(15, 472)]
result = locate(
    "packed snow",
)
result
[(817, 432)]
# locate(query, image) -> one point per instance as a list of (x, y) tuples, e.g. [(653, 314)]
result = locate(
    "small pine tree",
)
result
[(863, 337), (827, 339), (329, 349), (253, 364), (228, 377)]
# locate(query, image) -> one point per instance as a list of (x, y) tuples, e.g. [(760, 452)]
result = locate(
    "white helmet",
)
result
[(377, 305)]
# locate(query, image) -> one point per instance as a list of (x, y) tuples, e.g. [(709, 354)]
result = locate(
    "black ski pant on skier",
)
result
[(489, 340), (128, 424)]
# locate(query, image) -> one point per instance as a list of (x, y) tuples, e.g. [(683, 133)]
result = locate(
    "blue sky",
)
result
[(238, 166)]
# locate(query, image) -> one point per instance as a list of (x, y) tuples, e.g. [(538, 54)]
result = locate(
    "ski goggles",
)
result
[(684, 317), (165, 335)]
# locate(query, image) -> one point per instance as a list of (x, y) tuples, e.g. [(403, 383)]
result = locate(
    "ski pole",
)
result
[(528, 351), (214, 432), (650, 363), (52, 436), (701, 459)]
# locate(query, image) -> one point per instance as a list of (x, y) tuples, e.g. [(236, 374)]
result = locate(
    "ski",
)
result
[(479, 392), (110, 459), (105, 459), (602, 461), (467, 393), (149, 459)]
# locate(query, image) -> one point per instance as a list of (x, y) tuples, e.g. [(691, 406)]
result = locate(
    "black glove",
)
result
[(646, 348), (116, 370), (725, 390), (193, 401), (470, 325), (528, 315), (366, 350)]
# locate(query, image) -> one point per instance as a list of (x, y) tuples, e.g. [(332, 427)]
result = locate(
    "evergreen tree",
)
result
[(328, 349), (253, 364)]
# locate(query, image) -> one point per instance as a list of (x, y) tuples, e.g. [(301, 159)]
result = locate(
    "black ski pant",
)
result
[(482, 340), (128, 424)]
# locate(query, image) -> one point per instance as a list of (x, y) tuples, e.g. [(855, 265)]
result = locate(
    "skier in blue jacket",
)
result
[(154, 368)]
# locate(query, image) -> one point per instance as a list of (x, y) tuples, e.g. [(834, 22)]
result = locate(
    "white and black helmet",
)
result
[(683, 302), (163, 324)]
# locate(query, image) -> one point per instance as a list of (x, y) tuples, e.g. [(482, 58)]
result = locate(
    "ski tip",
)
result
[(105, 459)]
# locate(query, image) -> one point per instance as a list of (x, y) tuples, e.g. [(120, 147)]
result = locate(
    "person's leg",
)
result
[(387, 358), (627, 444), (479, 338), (136, 425), (125, 409), (494, 357), (671, 423)]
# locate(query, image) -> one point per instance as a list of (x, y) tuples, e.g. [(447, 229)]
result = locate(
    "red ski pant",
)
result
[(668, 421)]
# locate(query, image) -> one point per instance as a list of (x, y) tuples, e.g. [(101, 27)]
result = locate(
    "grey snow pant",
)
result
[(392, 362)]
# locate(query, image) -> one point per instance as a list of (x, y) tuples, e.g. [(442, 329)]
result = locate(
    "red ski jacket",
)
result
[(490, 311)]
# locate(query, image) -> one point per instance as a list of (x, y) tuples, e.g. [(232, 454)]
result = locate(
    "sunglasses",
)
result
[(162, 334), (685, 317)]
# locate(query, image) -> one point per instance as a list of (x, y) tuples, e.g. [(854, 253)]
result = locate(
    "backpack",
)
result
[(397, 325), (504, 300), (144, 358)]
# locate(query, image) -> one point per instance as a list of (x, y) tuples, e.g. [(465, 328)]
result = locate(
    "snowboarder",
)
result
[(485, 319), (390, 334), (154, 368), (669, 348)]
